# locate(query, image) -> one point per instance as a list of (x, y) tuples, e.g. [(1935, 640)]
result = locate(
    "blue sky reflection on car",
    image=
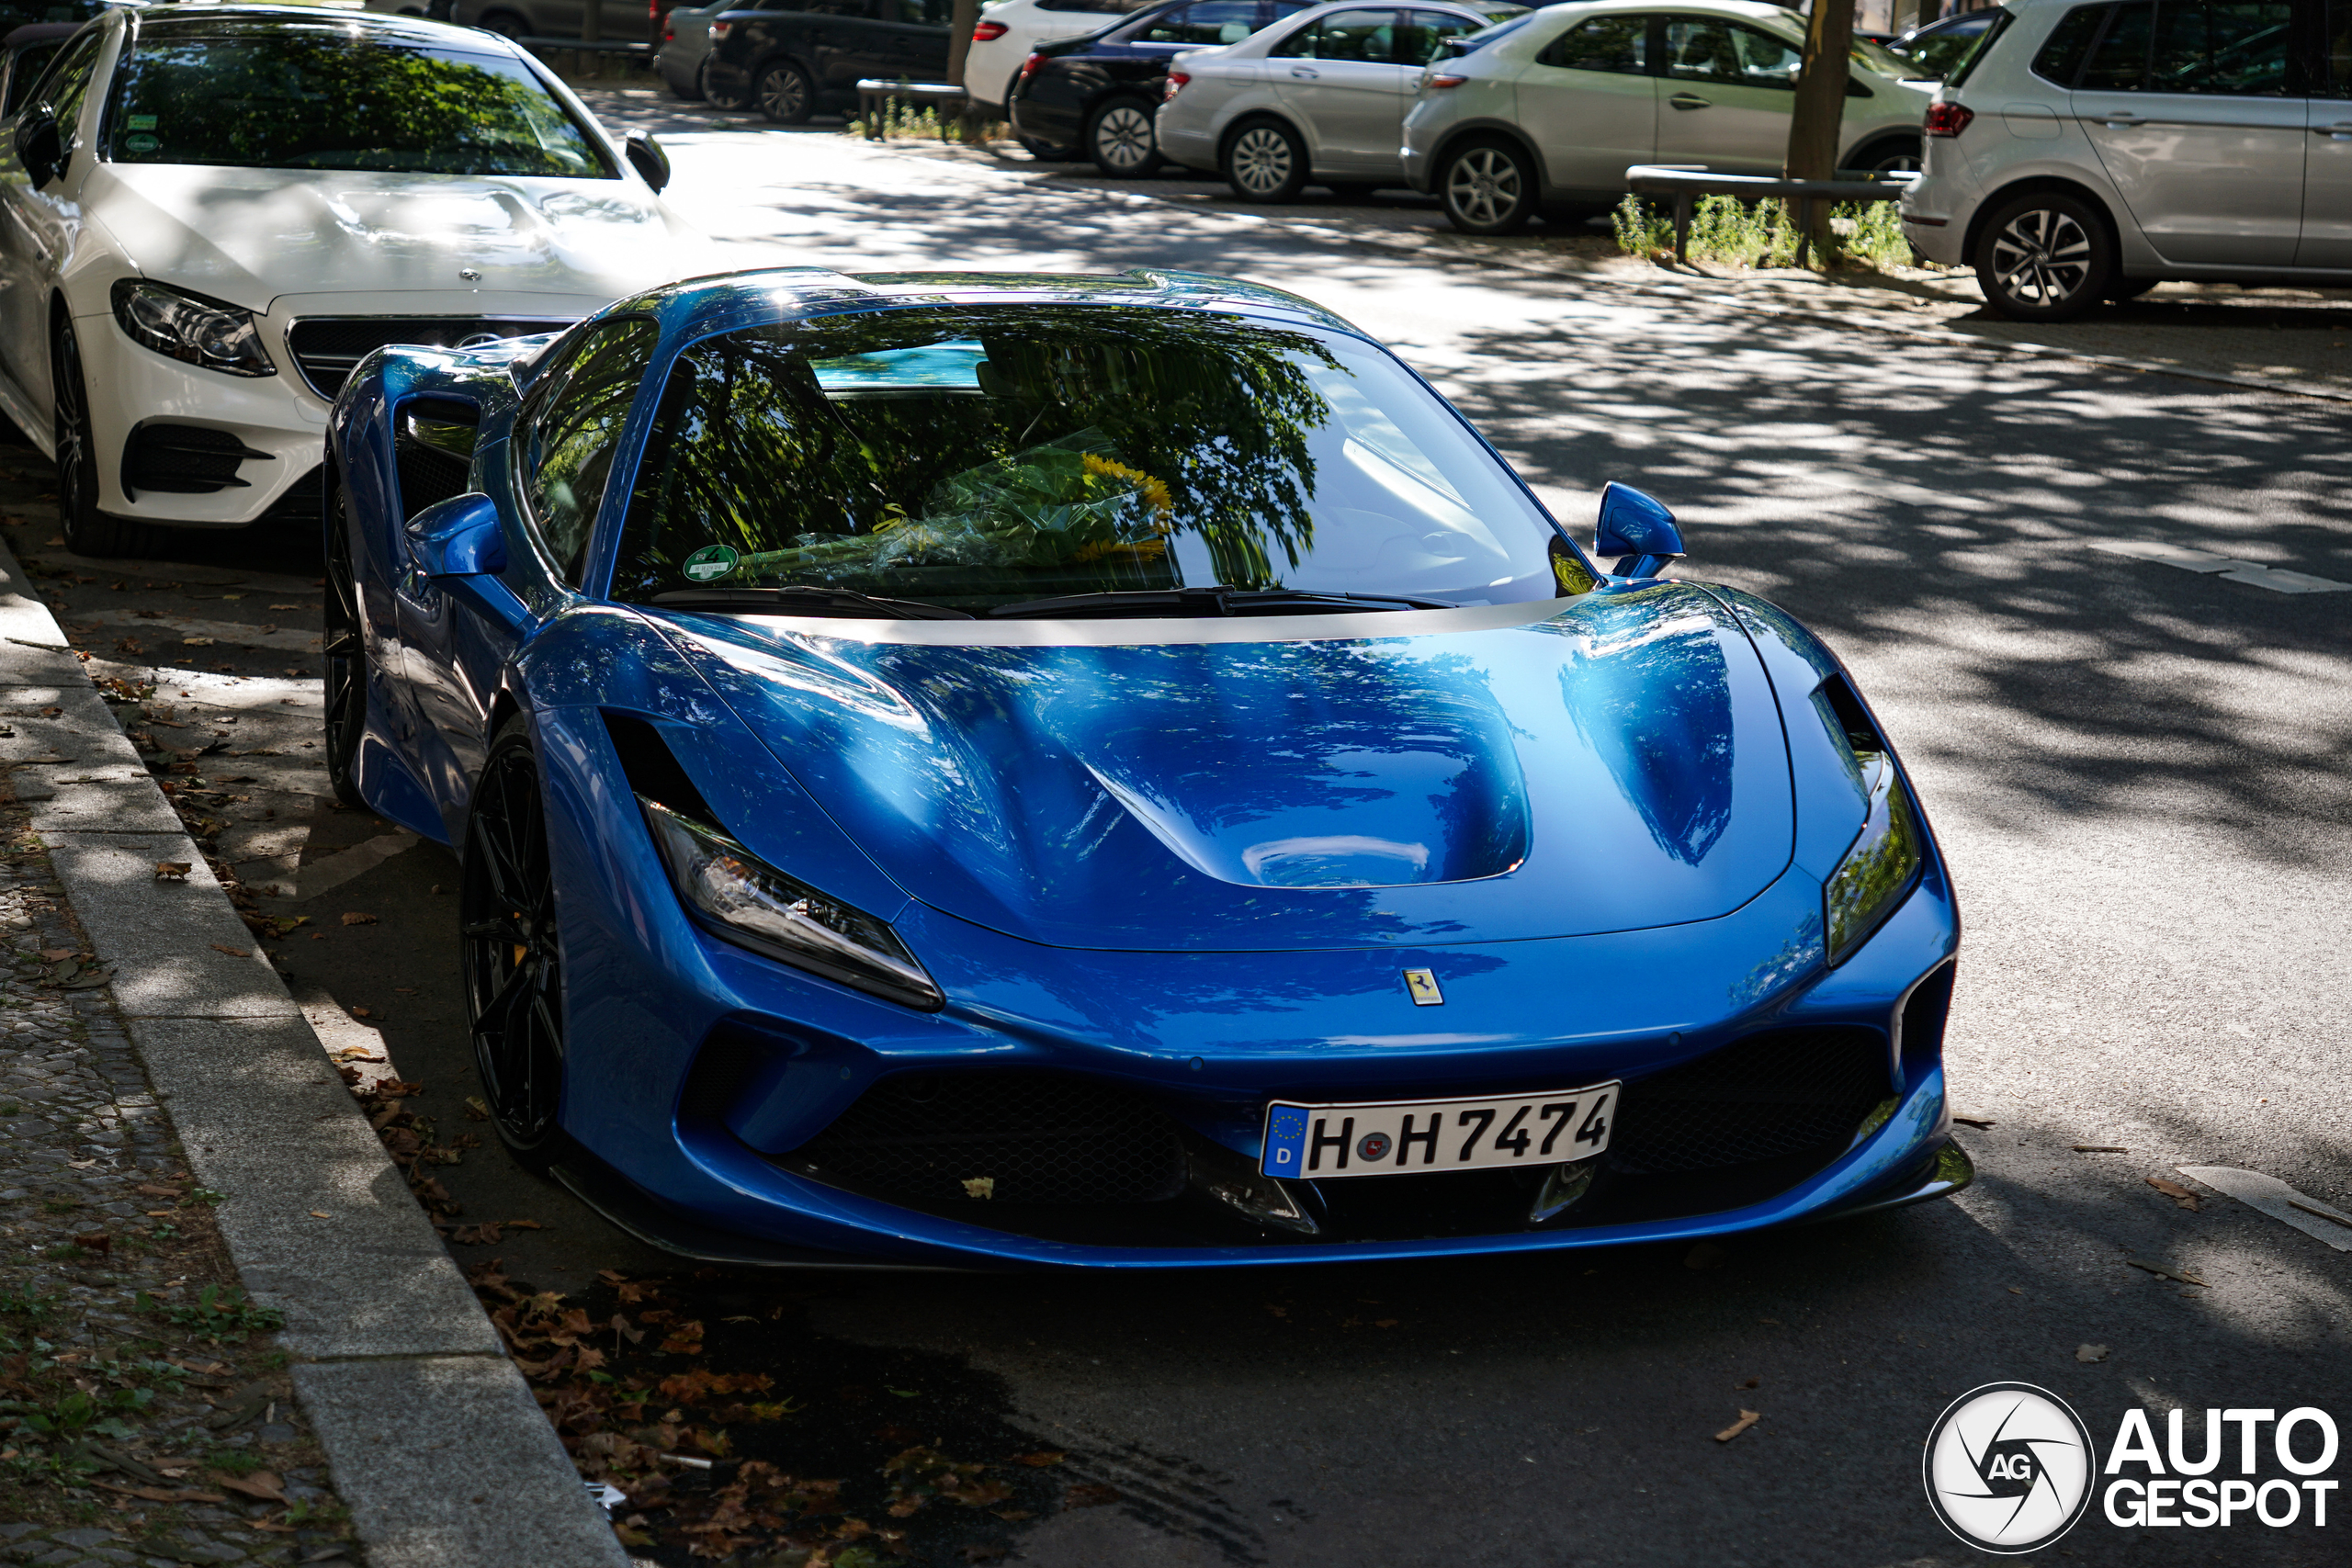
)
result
[(881, 603)]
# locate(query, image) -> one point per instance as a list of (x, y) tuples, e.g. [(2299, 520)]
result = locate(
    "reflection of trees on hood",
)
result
[(750, 453)]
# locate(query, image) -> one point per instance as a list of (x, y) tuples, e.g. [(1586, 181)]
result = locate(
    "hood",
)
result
[(1613, 763), (252, 236)]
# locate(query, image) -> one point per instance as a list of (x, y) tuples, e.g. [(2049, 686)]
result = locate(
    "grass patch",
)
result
[(221, 1314), (1728, 231)]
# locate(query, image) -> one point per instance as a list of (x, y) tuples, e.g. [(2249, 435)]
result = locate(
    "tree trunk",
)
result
[(1817, 123), (960, 23)]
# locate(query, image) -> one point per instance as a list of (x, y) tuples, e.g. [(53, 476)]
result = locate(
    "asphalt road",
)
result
[(2139, 773)]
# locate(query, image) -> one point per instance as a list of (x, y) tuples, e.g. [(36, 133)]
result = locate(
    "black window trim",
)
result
[(545, 385), (2304, 74)]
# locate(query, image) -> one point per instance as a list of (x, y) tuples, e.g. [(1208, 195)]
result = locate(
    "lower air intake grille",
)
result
[(184, 459), (1785, 1092), (1036, 1137), (328, 347)]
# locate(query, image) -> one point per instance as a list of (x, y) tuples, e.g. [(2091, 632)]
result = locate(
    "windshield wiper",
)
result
[(801, 598), (1218, 600)]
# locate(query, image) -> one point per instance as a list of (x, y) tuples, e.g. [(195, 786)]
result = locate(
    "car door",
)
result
[(914, 40), (2186, 104), (40, 227), (1729, 91), (1590, 102), (562, 448), (1339, 78), (2327, 149)]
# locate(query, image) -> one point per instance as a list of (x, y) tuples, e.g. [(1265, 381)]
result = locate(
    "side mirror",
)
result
[(645, 155), (40, 148), (461, 549), (1638, 528)]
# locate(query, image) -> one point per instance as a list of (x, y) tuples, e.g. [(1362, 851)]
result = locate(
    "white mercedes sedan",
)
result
[(213, 214)]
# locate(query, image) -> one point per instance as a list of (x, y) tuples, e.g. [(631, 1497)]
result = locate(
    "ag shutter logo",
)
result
[(2009, 1468)]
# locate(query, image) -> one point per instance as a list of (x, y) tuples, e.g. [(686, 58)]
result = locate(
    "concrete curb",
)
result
[(433, 1439)]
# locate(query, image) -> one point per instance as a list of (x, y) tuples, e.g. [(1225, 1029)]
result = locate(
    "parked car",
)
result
[(1097, 95), (211, 216), (1008, 29), (1318, 98), (1111, 773), (685, 50), (2086, 153), (1550, 114), (1935, 49), (620, 21), (792, 63)]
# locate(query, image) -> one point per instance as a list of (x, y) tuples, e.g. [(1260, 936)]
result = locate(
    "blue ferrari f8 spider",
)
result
[(958, 769)]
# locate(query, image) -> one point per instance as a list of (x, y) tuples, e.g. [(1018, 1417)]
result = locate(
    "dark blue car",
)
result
[(1110, 771)]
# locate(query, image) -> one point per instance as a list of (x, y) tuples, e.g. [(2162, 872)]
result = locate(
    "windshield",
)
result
[(1878, 58), (983, 457), (315, 98)]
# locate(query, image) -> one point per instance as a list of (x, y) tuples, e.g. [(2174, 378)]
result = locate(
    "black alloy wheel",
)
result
[(346, 647), (1119, 139), (2044, 256), (728, 102), (1488, 188), (512, 951), (783, 94), (1265, 162), (88, 531)]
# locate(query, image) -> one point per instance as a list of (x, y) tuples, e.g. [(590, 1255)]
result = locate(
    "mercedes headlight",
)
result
[(746, 900), (1880, 868), (190, 328)]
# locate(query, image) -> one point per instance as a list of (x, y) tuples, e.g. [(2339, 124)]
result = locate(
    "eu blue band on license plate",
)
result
[(1318, 1142)]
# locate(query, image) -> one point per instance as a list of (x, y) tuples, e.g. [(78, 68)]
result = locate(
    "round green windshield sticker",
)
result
[(142, 143), (710, 563)]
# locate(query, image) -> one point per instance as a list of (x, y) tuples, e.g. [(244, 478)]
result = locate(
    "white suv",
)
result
[(2088, 151)]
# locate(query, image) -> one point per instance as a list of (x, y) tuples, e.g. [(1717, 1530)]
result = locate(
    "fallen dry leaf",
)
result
[(2176, 1192), (1753, 1382), (51, 712), (1041, 1459), (361, 1013), (156, 1493), (173, 870), (55, 955), (355, 917), (478, 1110), (149, 1189), (979, 1187), (97, 1241), (1089, 1495), (196, 641), (261, 1483), (321, 1214), (1975, 1120), (232, 952), (1746, 1418), (2100, 1149), (2089, 1353)]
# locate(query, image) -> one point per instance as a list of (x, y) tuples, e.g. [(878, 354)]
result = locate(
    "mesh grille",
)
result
[(1788, 1092), (183, 460), (427, 476), (1041, 1139), (328, 348)]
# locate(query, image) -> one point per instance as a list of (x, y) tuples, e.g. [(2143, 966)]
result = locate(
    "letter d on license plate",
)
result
[(1315, 1143)]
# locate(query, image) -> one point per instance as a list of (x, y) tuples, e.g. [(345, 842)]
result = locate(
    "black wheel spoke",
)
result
[(512, 950)]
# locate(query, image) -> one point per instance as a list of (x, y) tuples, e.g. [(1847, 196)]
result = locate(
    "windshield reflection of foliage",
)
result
[(313, 98), (1203, 426)]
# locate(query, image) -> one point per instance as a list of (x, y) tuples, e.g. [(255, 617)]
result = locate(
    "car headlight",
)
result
[(1880, 867), (748, 901), (190, 328)]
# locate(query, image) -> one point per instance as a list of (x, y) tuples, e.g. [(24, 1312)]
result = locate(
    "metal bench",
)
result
[(873, 92), (1687, 185)]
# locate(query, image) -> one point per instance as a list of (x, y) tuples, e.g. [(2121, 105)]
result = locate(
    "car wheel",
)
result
[(730, 102), (1265, 162), (2044, 256), (345, 651), (513, 955), (1895, 155), (506, 24), (1119, 139), (783, 94), (1489, 188), (88, 531), (1046, 152)]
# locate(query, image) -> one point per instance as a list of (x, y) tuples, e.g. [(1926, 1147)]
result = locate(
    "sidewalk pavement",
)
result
[(432, 1436)]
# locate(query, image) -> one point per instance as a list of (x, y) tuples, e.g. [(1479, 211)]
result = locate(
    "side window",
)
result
[(24, 73), (2339, 47), (2062, 55), (67, 85), (2227, 47), (1619, 45), (1766, 60), (573, 432), (1416, 43), (2119, 62), (1705, 50), (1209, 22), (1343, 35)]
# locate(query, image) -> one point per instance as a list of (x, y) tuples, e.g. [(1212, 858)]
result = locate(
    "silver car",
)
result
[(1548, 111), (1317, 99), (2087, 152)]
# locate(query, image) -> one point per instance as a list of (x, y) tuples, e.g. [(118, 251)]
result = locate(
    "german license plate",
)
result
[(1406, 1136)]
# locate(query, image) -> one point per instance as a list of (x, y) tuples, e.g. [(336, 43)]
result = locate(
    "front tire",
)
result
[(727, 102), (1266, 163), (1119, 139), (784, 94), (512, 951), (2044, 256), (88, 531), (1895, 155), (346, 647), (1488, 188)]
